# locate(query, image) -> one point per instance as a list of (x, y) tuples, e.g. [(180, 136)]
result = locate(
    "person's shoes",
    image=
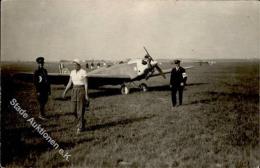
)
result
[(42, 118)]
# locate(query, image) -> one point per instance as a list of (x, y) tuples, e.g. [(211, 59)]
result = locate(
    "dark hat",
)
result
[(40, 60), (177, 61)]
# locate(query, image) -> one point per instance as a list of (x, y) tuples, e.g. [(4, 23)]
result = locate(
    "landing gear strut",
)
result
[(125, 90), (143, 87)]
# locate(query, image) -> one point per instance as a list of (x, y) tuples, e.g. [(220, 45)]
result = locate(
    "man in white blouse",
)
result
[(79, 93)]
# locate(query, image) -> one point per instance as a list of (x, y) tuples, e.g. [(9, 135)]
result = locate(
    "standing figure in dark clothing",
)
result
[(178, 81), (42, 85)]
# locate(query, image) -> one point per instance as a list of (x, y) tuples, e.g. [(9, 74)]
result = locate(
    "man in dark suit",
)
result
[(178, 81), (42, 86)]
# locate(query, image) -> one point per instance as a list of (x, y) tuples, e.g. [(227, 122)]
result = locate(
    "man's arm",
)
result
[(172, 76)]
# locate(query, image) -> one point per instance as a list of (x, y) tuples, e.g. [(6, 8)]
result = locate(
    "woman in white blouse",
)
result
[(79, 93)]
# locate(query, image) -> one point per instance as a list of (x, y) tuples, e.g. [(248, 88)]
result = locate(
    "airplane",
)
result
[(123, 74), (202, 62)]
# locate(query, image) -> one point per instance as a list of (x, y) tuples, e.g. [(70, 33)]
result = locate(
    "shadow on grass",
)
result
[(67, 98), (240, 116), (103, 92), (167, 87), (14, 146), (159, 88), (222, 96), (95, 94), (21, 143), (203, 101), (55, 116), (119, 122), (245, 131), (244, 96), (195, 84), (69, 145)]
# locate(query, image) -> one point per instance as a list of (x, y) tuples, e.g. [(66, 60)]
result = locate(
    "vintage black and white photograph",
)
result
[(130, 84)]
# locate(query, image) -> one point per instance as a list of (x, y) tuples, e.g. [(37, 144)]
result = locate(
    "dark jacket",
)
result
[(177, 76), (41, 81)]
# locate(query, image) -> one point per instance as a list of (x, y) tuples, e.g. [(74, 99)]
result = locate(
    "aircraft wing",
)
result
[(114, 75), (108, 76), (121, 71), (94, 79), (24, 76), (54, 78), (167, 71), (188, 67)]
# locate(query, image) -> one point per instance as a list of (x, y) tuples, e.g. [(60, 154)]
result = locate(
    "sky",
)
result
[(117, 30)]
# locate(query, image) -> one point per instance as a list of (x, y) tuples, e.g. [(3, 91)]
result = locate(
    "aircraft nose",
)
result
[(154, 62)]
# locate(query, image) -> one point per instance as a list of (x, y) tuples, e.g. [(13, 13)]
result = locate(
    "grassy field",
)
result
[(217, 126)]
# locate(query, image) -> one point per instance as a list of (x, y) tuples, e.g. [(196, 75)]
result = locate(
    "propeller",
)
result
[(148, 55), (160, 71), (150, 58)]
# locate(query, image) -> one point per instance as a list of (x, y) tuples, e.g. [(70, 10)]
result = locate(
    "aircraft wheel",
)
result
[(143, 87), (124, 90)]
